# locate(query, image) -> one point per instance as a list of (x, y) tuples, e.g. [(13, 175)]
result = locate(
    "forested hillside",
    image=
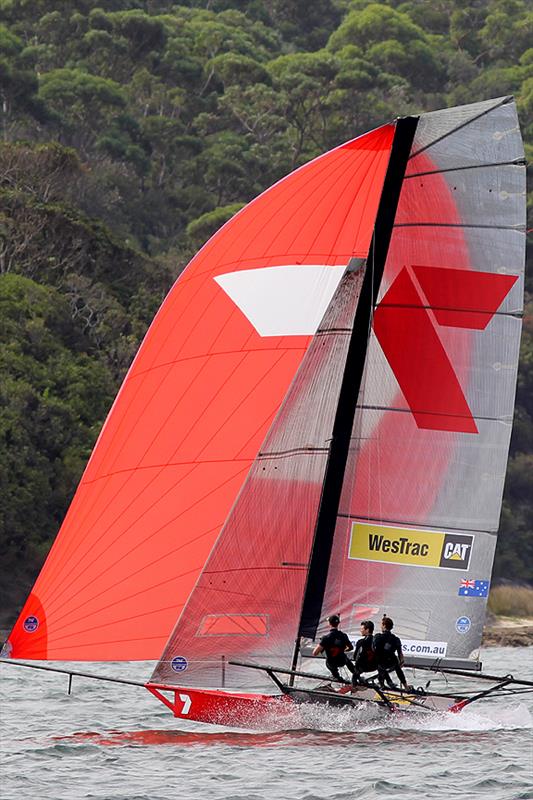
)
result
[(129, 132)]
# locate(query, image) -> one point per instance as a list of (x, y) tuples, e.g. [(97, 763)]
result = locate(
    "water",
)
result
[(111, 742)]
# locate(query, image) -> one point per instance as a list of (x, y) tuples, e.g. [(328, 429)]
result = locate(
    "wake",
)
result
[(367, 719)]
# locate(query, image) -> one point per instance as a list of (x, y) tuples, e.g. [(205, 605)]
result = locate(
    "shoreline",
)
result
[(508, 632)]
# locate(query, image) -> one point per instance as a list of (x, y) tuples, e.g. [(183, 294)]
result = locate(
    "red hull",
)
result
[(222, 708), (239, 710)]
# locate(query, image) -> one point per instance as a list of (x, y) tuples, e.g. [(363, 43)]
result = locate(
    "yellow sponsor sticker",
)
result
[(401, 700), (419, 548)]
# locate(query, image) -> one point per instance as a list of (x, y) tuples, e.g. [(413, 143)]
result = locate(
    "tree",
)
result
[(199, 230), (306, 80), (83, 104), (53, 401), (393, 42), (18, 85), (307, 25)]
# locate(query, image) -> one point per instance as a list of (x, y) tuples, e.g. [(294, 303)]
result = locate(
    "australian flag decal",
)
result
[(474, 588)]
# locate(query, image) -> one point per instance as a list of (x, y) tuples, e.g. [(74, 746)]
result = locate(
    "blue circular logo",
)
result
[(463, 625), (179, 664), (30, 624)]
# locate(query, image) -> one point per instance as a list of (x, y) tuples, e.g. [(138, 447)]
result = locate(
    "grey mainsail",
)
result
[(417, 523)]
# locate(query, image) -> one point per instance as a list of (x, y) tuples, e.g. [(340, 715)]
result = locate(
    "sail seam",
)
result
[(369, 177), (333, 165), (365, 165), (311, 184), (65, 587), (284, 258), (210, 355), (163, 466)]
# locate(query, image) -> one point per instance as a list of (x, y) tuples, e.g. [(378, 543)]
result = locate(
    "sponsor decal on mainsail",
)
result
[(179, 664), (418, 548), (454, 295), (421, 648), (463, 624)]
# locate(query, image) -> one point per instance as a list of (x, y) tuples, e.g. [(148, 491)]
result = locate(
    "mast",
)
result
[(351, 383)]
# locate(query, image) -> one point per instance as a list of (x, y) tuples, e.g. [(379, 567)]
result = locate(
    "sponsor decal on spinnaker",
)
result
[(473, 588), (179, 663), (463, 624), (414, 647), (30, 624), (418, 548)]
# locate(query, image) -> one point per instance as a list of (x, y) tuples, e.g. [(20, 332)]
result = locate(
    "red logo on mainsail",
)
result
[(407, 333)]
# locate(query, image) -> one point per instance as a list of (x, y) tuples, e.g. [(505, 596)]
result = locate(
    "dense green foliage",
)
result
[(131, 131)]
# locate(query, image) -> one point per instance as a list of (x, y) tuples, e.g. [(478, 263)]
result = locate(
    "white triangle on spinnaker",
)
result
[(283, 301)]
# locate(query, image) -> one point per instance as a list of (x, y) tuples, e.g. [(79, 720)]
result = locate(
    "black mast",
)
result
[(351, 383)]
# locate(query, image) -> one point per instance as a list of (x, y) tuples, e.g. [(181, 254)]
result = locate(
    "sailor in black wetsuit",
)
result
[(365, 656), (389, 656), (335, 645)]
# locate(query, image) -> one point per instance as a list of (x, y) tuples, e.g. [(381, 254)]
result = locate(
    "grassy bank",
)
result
[(511, 601)]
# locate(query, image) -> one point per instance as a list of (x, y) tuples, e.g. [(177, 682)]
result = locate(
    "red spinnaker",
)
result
[(189, 419)]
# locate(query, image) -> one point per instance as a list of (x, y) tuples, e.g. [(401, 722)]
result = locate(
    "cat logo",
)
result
[(456, 551)]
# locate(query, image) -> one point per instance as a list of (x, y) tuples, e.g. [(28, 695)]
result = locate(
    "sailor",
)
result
[(364, 656), (335, 645), (389, 655)]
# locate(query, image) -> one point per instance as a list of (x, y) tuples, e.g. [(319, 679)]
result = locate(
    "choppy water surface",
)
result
[(111, 742)]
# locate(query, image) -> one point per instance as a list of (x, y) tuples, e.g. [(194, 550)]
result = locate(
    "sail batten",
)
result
[(402, 522), (517, 162), (507, 419), (518, 227)]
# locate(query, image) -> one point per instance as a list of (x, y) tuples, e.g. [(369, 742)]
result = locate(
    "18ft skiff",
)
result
[(317, 420)]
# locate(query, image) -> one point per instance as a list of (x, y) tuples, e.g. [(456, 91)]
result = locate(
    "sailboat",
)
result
[(317, 421)]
